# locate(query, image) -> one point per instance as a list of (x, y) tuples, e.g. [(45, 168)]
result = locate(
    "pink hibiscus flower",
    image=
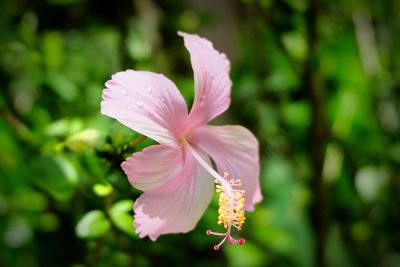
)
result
[(177, 176)]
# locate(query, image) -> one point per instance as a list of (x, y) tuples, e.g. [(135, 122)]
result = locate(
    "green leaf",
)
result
[(297, 114), (102, 190), (121, 217), (64, 127), (295, 44), (28, 201), (93, 224), (53, 46), (64, 87), (83, 140), (57, 175)]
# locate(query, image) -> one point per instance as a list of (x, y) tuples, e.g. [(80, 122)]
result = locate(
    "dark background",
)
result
[(316, 81)]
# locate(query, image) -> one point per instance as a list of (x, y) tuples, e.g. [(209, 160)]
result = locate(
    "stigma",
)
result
[(231, 209)]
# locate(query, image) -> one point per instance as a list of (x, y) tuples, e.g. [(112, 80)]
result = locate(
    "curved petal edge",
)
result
[(211, 78), (176, 206), (234, 149)]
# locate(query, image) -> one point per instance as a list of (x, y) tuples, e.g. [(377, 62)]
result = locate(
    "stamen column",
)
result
[(231, 201)]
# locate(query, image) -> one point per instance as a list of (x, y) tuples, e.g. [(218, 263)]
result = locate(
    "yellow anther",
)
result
[(231, 204), (230, 210)]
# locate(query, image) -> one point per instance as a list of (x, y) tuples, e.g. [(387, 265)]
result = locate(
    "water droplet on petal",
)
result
[(139, 104), (148, 90), (162, 99), (124, 92)]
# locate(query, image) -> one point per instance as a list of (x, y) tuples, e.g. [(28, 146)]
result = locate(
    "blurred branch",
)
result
[(97, 250), (14, 121), (116, 155), (313, 85), (18, 126), (134, 143)]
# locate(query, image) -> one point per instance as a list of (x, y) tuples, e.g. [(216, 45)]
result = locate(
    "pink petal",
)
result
[(212, 82), (147, 102), (154, 166), (234, 149), (176, 206)]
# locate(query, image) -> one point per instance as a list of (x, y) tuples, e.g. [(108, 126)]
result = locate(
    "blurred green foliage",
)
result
[(317, 82)]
